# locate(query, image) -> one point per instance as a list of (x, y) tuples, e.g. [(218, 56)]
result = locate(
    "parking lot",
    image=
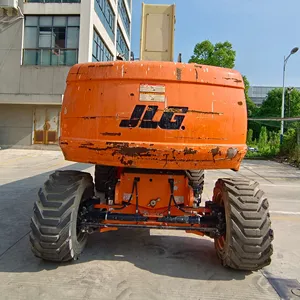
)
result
[(142, 264)]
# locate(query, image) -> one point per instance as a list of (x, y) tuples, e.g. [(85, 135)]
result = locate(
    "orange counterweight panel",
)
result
[(153, 191), (154, 115)]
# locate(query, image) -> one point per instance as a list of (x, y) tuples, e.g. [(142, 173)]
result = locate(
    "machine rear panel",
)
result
[(124, 114)]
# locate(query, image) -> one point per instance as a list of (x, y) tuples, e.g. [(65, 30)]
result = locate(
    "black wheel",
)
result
[(104, 175), (196, 181), (247, 242), (55, 235)]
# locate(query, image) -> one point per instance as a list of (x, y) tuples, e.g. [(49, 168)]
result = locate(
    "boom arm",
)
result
[(157, 32)]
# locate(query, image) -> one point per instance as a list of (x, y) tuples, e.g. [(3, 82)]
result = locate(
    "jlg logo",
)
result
[(143, 115)]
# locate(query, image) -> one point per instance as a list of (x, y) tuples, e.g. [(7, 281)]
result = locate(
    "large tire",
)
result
[(103, 175), (55, 235), (247, 242), (196, 181)]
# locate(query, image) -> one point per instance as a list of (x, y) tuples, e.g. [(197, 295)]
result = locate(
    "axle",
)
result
[(134, 205), (209, 219), (100, 216), (213, 231)]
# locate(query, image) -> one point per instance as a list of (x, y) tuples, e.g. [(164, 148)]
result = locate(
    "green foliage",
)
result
[(291, 147), (220, 54), (251, 107), (263, 139), (268, 143), (250, 137), (271, 107), (256, 127), (289, 141), (274, 142), (295, 156)]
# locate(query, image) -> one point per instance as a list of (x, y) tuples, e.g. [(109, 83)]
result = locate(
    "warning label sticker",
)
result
[(150, 92)]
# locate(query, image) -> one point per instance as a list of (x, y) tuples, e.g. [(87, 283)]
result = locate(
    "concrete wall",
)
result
[(32, 80), (10, 54), (53, 8), (16, 79), (16, 124), (86, 31), (43, 80), (31, 99)]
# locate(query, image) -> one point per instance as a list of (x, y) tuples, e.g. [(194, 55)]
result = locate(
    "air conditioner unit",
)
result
[(9, 7), (9, 4)]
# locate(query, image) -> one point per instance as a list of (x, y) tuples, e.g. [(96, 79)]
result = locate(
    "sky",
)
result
[(262, 32)]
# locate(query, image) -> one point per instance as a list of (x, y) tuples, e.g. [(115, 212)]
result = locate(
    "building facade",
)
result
[(258, 94), (39, 41)]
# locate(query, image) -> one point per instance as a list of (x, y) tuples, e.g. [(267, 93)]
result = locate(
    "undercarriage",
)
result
[(70, 208)]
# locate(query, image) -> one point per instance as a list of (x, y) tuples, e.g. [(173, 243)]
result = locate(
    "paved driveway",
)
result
[(142, 264)]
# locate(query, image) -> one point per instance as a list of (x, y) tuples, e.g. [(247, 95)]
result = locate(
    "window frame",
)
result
[(122, 39), (38, 49), (106, 16), (100, 47), (126, 20)]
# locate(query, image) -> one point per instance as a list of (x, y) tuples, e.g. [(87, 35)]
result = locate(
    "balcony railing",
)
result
[(52, 1), (50, 57)]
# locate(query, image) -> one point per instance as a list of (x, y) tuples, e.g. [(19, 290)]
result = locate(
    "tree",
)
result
[(252, 108), (271, 107), (220, 54)]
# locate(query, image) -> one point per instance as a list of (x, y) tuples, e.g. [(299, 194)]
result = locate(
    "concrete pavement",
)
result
[(142, 264)]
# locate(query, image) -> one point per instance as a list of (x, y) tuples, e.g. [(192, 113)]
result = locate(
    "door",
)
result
[(46, 125)]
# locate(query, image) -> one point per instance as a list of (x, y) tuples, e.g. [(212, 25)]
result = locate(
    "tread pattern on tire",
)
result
[(249, 243), (103, 174), (54, 212), (196, 181)]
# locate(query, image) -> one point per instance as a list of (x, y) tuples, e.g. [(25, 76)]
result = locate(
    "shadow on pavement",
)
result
[(16, 203), (173, 256), (163, 254)]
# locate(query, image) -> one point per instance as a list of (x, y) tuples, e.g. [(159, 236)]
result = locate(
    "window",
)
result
[(51, 40), (129, 4), (106, 16), (124, 16), (100, 50), (121, 44)]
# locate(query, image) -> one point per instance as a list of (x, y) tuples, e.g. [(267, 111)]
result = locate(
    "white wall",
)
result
[(86, 31), (53, 8)]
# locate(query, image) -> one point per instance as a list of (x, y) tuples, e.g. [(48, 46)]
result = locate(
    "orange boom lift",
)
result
[(151, 127)]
